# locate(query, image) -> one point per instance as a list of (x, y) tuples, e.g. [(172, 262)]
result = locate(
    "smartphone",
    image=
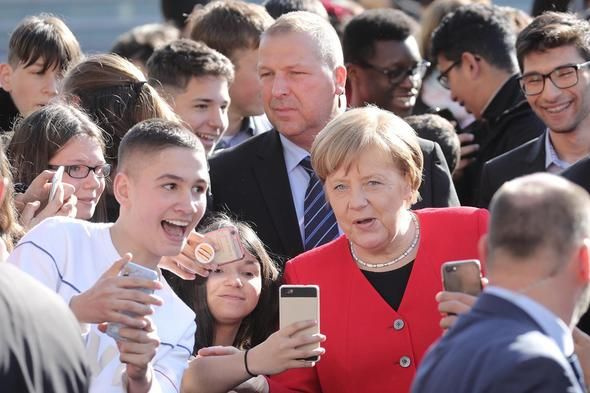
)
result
[(462, 276), (55, 181), (132, 270), (228, 245), (300, 303)]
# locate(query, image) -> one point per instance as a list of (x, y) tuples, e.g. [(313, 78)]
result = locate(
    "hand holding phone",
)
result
[(300, 303), (132, 270), (55, 182), (462, 276)]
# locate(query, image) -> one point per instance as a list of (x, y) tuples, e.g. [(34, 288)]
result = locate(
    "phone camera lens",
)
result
[(449, 268)]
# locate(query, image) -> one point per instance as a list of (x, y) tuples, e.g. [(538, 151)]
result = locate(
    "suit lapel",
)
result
[(271, 175), (535, 157)]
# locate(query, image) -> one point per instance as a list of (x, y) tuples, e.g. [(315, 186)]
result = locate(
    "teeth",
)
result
[(206, 137), (557, 109), (177, 223)]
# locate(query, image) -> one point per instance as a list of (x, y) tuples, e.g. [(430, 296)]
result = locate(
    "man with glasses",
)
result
[(553, 52), (475, 54), (385, 69)]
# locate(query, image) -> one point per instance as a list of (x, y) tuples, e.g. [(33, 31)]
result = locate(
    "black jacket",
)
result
[(507, 123), (8, 111)]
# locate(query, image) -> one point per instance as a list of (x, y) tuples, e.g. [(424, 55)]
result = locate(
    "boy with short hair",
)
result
[(195, 81), (160, 185), (40, 50), (234, 27)]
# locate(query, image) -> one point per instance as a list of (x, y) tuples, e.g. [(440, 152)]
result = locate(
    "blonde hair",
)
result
[(344, 138), (320, 31)]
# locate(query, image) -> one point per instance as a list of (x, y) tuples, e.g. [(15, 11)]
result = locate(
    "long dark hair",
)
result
[(262, 321), (42, 134)]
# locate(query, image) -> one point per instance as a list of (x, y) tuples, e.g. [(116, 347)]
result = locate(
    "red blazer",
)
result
[(369, 346)]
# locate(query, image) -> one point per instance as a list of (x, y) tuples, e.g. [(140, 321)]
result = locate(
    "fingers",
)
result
[(466, 137), (460, 297), (117, 266), (217, 350), (451, 304), (28, 213), (169, 263), (295, 327), (447, 321)]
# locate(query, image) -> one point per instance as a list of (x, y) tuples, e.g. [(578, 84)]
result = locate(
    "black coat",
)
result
[(507, 123)]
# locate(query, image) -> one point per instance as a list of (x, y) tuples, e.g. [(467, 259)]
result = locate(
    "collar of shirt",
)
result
[(293, 154), (552, 160), (551, 324), (485, 107)]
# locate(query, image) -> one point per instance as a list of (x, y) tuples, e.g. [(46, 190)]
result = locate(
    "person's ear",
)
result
[(122, 188), (471, 64), (6, 77), (583, 257), (340, 79)]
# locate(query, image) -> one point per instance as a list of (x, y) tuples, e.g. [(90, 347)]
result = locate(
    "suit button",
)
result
[(405, 361), (398, 324)]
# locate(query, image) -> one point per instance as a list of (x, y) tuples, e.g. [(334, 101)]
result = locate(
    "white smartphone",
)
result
[(462, 276), (55, 181), (300, 303), (132, 270)]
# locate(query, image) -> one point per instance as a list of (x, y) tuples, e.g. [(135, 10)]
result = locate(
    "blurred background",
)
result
[(96, 23)]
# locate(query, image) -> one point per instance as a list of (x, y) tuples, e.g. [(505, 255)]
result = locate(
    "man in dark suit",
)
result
[(263, 180), (517, 337), (475, 54), (553, 53)]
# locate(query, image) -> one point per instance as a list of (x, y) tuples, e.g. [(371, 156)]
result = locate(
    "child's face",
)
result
[(233, 290), (83, 151), (29, 87), (203, 106), (166, 198)]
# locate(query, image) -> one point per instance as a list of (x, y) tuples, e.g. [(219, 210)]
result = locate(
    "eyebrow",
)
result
[(170, 176)]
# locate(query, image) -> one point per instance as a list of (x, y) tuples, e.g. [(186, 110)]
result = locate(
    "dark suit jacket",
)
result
[(524, 160), (579, 173), (495, 348), (507, 123), (250, 181)]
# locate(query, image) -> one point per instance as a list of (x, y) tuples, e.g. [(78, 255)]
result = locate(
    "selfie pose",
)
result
[(62, 136), (378, 281), (236, 308)]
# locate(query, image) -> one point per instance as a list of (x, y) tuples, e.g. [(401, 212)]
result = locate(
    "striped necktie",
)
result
[(318, 218)]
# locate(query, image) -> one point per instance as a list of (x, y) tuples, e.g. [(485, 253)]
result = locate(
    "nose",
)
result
[(233, 280), (358, 198), (50, 85), (218, 120), (92, 181), (280, 86), (550, 91)]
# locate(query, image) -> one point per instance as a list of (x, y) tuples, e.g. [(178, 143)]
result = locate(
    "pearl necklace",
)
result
[(396, 259)]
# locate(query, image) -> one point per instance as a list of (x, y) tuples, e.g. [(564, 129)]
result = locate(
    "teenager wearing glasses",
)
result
[(475, 55), (553, 52), (61, 135)]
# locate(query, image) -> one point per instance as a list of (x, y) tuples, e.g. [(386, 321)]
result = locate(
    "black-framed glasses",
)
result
[(443, 78), (562, 77), (80, 171), (398, 74)]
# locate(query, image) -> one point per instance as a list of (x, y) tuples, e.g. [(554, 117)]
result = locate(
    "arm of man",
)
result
[(442, 190)]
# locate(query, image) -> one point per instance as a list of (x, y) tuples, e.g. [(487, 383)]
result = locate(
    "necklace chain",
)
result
[(396, 259)]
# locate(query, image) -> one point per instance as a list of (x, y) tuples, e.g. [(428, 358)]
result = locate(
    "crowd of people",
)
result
[(353, 149)]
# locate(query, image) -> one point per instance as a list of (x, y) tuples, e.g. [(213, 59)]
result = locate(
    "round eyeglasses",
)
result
[(80, 171), (562, 77)]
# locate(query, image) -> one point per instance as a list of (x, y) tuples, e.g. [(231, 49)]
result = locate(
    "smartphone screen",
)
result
[(300, 303), (462, 276)]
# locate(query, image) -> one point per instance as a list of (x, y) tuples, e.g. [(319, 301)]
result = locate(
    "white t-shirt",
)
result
[(68, 256)]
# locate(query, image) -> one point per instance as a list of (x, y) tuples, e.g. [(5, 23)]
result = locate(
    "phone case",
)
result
[(462, 276), (300, 303), (132, 270), (227, 244), (55, 180)]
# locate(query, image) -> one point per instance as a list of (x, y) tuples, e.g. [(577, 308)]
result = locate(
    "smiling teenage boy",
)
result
[(161, 185), (41, 48)]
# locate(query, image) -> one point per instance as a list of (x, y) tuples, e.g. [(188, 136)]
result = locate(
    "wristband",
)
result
[(246, 364)]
